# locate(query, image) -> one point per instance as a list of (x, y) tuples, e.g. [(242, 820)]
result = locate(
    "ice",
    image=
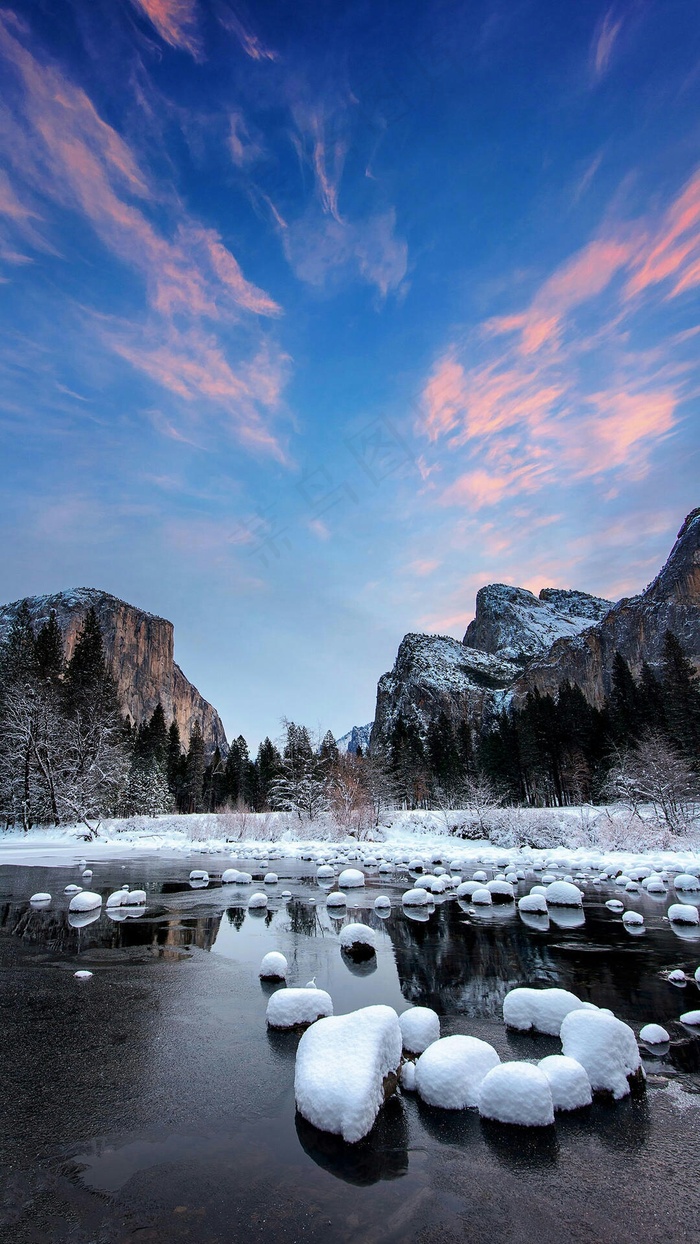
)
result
[(40, 897), (229, 875), (563, 894), (691, 1017), (568, 1081), (351, 877), (686, 881), (415, 898), (420, 1026), (288, 1008), (344, 1067), (683, 913), (259, 899), (605, 1046), (450, 1071), (534, 903), (336, 899), (540, 1009), (86, 900), (517, 1093), (654, 1034), (482, 897), (82, 975), (273, 967), (353, 935)]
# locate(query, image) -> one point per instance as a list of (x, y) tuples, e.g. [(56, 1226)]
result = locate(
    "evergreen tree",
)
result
[(268, 765), (328, 751), (194, 771), (49, 651), (681, 698), (624, 703), (174, 761), (18, 661)]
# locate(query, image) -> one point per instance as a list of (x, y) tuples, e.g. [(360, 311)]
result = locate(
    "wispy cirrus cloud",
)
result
[(175, 21), (71, 158), (603, 43), (560, 390)]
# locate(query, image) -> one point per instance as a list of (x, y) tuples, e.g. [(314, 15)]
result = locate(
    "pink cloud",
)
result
[(175, 21), (673, 248), (603, 43), (252, 45)]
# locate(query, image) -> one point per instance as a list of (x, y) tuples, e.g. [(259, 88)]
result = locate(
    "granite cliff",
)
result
[(139, 651), (518, 642)]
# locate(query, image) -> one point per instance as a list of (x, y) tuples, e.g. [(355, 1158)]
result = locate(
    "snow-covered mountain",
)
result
[(518, 625), (359, 736)]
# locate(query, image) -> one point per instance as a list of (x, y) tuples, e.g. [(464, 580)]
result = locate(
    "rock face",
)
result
[(519, 642), (139, 651), (358, 737)]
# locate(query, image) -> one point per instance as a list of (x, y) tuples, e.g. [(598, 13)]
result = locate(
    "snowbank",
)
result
[(345, 1067), (605, 1046), (517, 1093), (292, 1008), (540, 1009), (450, 1071)]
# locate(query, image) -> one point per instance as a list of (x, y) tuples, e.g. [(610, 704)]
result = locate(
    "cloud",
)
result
[(322, 250), (72, 158), (251, 44), (603, 43), (175, 21), (558, 391)]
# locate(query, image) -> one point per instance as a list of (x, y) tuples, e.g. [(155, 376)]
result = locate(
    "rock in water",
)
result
[(540, 1009), (517, 1093), (346, 1067), (273, 967), (450, 1072), (568, 1080), (420, 1026), (606, 1047), (297, 1008)]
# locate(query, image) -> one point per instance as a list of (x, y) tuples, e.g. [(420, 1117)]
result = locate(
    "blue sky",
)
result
[(317, 317)]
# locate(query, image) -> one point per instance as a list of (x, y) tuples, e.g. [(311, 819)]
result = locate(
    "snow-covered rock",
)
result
[(243, 879), (270, 879), (259, 899), (336, 899), (605, 1046), (533, 903), (382, 902), (41, 897), (415, 898), (325, 872), (134, 898), (345, 1067), (634, 919), (691, 1017), (654, 1034), (500, 891), (356, 937), (683, 913), (408, 1076), (563, 894), (294, 1008), (351, 878), (517, 1093), (482, 897), (449, 1073), (676, 977), (540, 1009), (273, 967), (686, 881), (568, 1080), (118, 898), (420, 1026), (86, 900), (72, 889), (229, 875), (199, 874), (83, 975)]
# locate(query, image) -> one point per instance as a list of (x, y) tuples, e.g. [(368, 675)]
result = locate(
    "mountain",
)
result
[(139, 651), (518, 642), (357, 737)]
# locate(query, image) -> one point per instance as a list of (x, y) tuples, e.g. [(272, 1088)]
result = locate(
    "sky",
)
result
[(316, 317)]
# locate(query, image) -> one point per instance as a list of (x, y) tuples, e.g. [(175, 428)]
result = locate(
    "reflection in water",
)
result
[(521, 1148), (383, 1154)]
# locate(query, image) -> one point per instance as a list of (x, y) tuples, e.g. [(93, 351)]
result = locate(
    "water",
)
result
[(152, 1104)]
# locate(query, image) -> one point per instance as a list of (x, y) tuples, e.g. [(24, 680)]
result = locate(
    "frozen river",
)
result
[(151, 1104)]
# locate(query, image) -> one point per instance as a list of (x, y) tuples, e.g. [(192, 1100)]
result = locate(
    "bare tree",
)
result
[(654, 774)]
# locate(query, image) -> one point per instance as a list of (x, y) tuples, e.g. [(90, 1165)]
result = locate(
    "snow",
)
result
[(415, 898), (118, 898), (351, 877), (341, 1066), (517, 1093), (288, 1008), (336, 899), (633, 918), (533, 903), (83, 975), (676, 977), (691, 1017), (697, 975), (382, 902), (199, 874), (420, 1026), (686, 881), (449, 1073), (72, 889), (614, 904), (654, 1034), (683, 913), (229, 875), (467, 888), (482, 897), (273, 967), (134, 898), (563, 894), (540, 1009), (501, 891), (357, 935), (270, 879), (259, 899), (568, 1081), (408, 1077), (40, 897), (605, 1046), (86, 900), (357, 737), (243, 879)]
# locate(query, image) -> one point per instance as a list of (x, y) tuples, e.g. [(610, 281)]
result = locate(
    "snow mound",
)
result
[(686, 881), (351, 877), (408, 1077), (633, 918), (563, 894), (568, 1080), (273, 967), (449, 1073), (683, 913), (243, 879), (345, 1067), (467, 888), (258, 899), (482, 897), (72, 889), (354, 935), (270, 879), (336, 899), (82, 975), (199, 874), (691, 1017), (134, 898), (533, 903), (676, 977), (325, 872), (40, 897), (517, 1093), (501, 891), (654, 1034), (415, 898), (229, 875), (290, 1008), (420, 1026), (118, 898), (540, 1009), (382, 901), (85, 901), (605, 1046)]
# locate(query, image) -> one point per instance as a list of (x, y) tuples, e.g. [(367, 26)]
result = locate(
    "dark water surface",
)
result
[(151, 1104)]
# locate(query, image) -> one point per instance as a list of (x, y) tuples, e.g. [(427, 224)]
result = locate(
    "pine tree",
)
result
[(624, 703), (268, 765), (49, 651), (18, 661), (328, 751), (681, 698), (194, 773), (174, 759)]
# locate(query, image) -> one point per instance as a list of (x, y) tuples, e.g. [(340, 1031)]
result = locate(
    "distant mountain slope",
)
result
[(359, 736), (518, 642), (139, 651)]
